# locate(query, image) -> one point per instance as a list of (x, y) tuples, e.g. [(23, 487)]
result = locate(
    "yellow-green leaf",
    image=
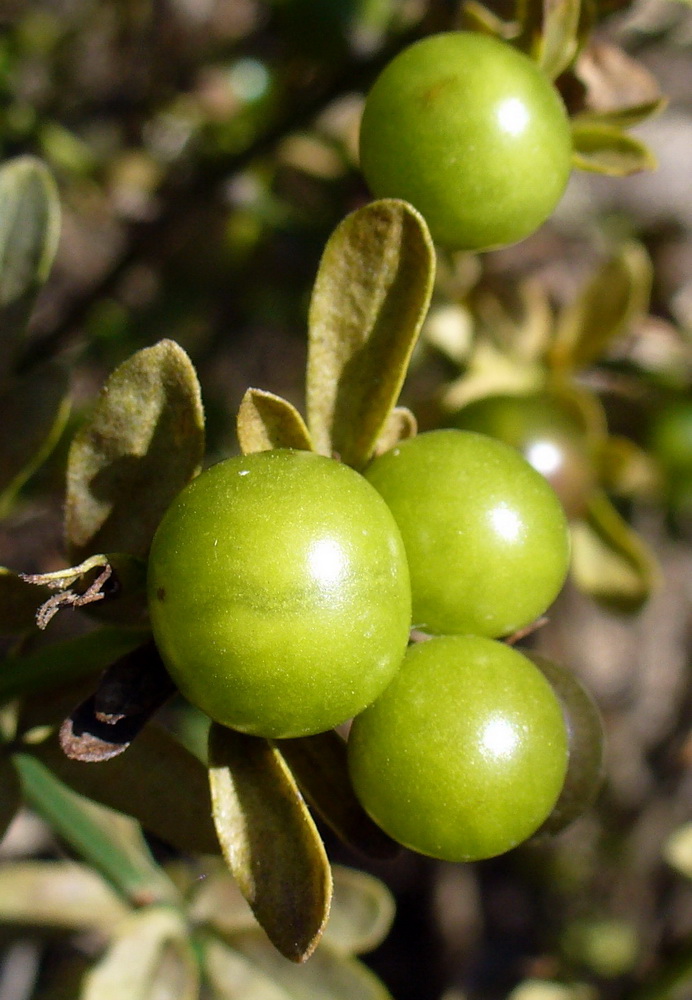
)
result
[(401, 424), (625, 117), (368, 304), (610, 562), (559, 36), (269, 840), (266, 421), (143, 442), (606, 149), (151, 958)]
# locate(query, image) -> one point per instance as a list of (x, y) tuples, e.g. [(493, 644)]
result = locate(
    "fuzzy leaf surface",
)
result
[(267, 421), (369, 301), (29, 231), (143, 442), (269, 840)]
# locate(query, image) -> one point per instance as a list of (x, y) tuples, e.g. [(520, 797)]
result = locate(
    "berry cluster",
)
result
[(283, 586)]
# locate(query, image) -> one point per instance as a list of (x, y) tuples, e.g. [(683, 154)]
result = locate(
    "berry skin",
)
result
[(279, 593), (485, 536), (473, 134), (464, 754)]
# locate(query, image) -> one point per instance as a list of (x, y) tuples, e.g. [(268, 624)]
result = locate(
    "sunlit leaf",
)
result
[(369, 301), (677, 849), (559, 37), (604, 310), (29, 230), (269, 840), (110, 842), (231, 976), (143, 442), (33, 413), (401, 424), (266, 421), (151, 958), (320, 768), (58, 894), (606, 149), (610, 562), (362, 912), (52, 666), (157, 781)]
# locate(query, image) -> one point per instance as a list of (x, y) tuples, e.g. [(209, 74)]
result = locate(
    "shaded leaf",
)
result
[(401, 424), (59, 663), (269, 840), (231, 976), (610, 562), (368, 304), (58, 894), (624, 117), (266, 421), (604, 310), (143, 443), (606, 149), (327, 976), (110, 842), (319, 766), (157, 781), (33, 413), (29, 231), (626, 469), (217, 901), (10, 794), (559, 36), (19, 602), (362, 912), (613, 79), (150, 959)]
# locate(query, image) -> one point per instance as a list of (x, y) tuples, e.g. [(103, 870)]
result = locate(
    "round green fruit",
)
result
[(485, 536), (279, 593), (473, 134), (464, 754), (547, 435)]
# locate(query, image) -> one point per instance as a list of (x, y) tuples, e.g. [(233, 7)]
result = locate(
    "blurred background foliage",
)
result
[(203, 151)]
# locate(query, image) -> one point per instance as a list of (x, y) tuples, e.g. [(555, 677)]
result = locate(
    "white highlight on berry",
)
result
[(512, 116)]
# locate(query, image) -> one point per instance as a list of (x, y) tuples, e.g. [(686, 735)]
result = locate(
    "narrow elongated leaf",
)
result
[(625, 117), (610, 562), (109, 841), (368, 304), (606, 149), (157, 781), (29, 230), (319, 766), (266, 421), (33, 413), (143, 443), (151, 958), (19, 602), (560, 36), (59, 894), (269, 841), (60, 663), (10, 794), (604, 310), (328, 975), (362, 912)]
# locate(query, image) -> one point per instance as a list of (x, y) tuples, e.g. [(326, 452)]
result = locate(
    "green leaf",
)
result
[(59, 663), (58, 894), (269, 841), (319, 765), (266, 421), (362, 912), (110, 842), (19, 602), (606, 149), (559, 38), (151, 958), (143, 443), (477, 17), (141, 783), (29, 230), (10, 794), (33, 413), (610, 562), (400, 424), (622, 118), (368, 304), (626, 469), (605, 309), (327, 976)]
